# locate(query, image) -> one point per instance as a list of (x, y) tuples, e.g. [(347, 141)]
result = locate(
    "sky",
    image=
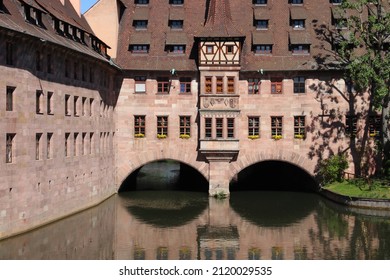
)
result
[(86, 4)]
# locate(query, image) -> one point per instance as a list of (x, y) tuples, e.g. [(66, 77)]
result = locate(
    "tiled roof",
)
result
[(298, 12)]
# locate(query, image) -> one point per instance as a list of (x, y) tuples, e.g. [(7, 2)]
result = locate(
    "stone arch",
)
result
[(137, 160), (247, 159)]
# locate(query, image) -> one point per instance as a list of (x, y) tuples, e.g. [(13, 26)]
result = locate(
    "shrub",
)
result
[(332, 168)]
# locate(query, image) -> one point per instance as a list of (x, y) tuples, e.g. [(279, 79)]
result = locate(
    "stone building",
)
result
[(218, 85)]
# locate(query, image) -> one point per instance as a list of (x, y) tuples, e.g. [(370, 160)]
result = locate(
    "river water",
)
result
[(171, 224)]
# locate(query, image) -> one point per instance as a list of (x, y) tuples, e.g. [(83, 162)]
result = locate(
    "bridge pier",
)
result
[(218, 177)]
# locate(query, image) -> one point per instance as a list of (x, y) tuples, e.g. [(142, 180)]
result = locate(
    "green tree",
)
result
[(360, 51)]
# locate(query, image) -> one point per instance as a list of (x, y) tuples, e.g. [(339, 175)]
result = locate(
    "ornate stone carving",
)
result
[(220, 102)]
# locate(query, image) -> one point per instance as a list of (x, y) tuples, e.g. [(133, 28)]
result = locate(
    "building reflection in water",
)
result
[(150, 225)]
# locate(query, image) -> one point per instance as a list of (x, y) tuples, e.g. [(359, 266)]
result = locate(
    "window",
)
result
[(83, 136), (49, 103), (162, 253), (276, 127), (261, 24), (208, 85), (296, 1), (185, 85), (49, 153), (176, 2), (141, 2), (38, 137), (230, 127), (262, 49), (140, 24), (139, 48), (299, 127), (162, 126), (298, 23), (254, 85), (209, 49), (260, 2), (276, 86), (176, 24), (66, 146), (178, 49), (139, 126), (375, 126), (9, 101), (254, 126), (219, 84), (300, 49), (83, 101), (91, 146), (229, 49), (9, 148), (67, 105), (38, 101), (299, 84), (219, 127), (163, 85), (75, 106), (208, 127), (351, 125), (230, 84), (91, 107), (140, 84), (340, 23), (185, 125), (9, 53), (335, 1), (38, 61), (75, 148)]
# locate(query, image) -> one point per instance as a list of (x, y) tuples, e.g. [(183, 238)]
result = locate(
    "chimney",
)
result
[(76, 5)]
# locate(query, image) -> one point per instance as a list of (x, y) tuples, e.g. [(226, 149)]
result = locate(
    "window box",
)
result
[(161, 136), (276, 137), (184, 136), (139, 135), (299, 136), (253, 137)]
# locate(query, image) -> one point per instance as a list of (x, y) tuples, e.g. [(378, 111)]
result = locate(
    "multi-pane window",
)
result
[(9, 148), (139, 126), (140, 24), (300, 49), (296, 1), (276, 85), (162, 126), (298, 23), (208, 85), (38, 137), (49, 146), (260, 2), (261, 24), (253, 86), (276, 127), (140, 84), (139, 48), (185, 125), (208, 127), (219, 127), (230, 127), (230, 84), (162, 85), (9, 101), (162, 253), (262, 49), (351, 125), (177, 48), (219, 84), (299, 84), (254, 126), (375, 126), (176, 24), (299, 127), (38, 101), (185, 85), (336, 1), (9, 53), (66, 144)]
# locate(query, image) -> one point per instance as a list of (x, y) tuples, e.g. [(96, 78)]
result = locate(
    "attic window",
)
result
[(31, 15), (176, 2), (1, 6), (260, 2), (141, 2)]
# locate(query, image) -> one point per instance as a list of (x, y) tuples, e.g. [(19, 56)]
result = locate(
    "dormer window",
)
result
[(335, 2), (300, 49), (139, 48), (176, 24), (298, 23), (2, 9), (260, 2), (140, 24), (209, 49), (296, 2), (177, 49), (261, 24), (176, 2), (33, 15)]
